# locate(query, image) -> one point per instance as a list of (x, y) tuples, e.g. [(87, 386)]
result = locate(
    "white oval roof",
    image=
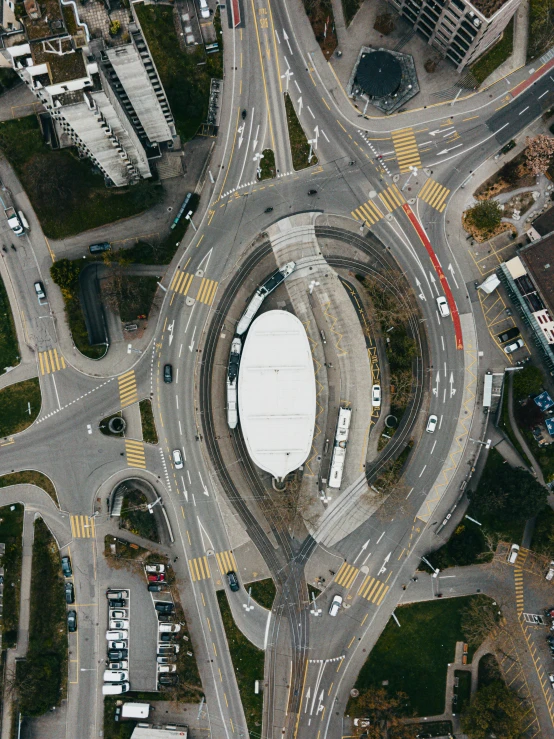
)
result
[(277, 393)]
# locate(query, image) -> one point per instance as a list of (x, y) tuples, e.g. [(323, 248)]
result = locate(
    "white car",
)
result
[(115, 676), (442, 305), (119, 623), (116, 635), (431, 424), (118, 614), (119, 645), (335, 606), (165, 660), (177, 459), (39, 289), (512, 554), (376, 396), (514, 346), (121, 665), (167, 668), (550, 574), (165, 650), (155, 568), (204, 10), (169, 628)]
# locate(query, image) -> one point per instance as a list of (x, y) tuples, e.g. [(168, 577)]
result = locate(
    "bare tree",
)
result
[(538, 153)]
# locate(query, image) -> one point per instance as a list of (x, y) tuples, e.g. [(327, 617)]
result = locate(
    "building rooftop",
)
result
[(538, 258), (49, 24), (64, 62), (379, 74), (544, 224), (277, 393)]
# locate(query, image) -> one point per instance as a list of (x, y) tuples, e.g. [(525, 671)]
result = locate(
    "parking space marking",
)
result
[(226, 561), (199, 569)]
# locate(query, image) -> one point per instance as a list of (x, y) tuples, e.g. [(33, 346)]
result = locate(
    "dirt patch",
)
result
[(482, 236), (520, 203), (512, 176), (320, 13)]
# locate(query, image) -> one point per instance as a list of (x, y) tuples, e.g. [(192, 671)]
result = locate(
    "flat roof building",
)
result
[(277, 393)]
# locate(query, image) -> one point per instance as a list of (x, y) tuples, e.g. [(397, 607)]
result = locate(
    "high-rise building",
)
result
[(459, 29), (105, 99)]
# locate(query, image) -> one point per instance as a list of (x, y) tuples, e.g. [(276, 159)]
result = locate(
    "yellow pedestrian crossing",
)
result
[(181, 282), (50, 361), (82, 527), (199, 569), (518, 579), (367, 213), (127, 388), (373, 590), (206, 293), (434, 194), (392, 198), (134, 451), (406, 149), (226, 561), (346, 575)]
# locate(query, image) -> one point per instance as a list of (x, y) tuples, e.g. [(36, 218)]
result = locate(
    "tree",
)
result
[(485, 215), (527, 381), (538, 153), (509, 493), (480, 620), (494, 710), (65, 273), (385, 713)]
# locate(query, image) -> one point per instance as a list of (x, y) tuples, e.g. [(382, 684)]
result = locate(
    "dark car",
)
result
[(69, 593), (168, 679), (165, 618), (168, 373), (156, 587), (72, 620), (117, 654), (312, 192), (66, 567), (166, 637), (509, 334), (233, 581), (164, 607), (99, 248), (118, 603)]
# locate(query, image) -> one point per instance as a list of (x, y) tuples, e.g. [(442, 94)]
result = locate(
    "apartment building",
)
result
[(461, 31), (105, 99)]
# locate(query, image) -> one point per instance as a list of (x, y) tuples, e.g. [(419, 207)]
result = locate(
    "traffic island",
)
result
[(19, 406), (385, 78)]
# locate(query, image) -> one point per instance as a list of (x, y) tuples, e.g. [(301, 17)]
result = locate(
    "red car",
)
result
[(160, 577)]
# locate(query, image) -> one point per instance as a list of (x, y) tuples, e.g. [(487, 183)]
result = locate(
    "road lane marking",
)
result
[(82, 527)]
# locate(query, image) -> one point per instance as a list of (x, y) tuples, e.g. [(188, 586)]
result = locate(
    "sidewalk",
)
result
[(517, 433), (518, 57)]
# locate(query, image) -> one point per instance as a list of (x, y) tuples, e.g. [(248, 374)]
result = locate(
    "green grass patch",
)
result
[(137, 298), (267, 165), (11, 532), (41, 678), (495, 56), (185, 75), (350, 8), (149, 433), (415, 657), (541, 26), (320, 13), (9, 346), (466, 546), (14, 406), (263, 592), (248, 663), (30, 477), (136, 518), (506, 426), (463, 690), (300, 149), (543, 535), (67, 195), (434, 728)]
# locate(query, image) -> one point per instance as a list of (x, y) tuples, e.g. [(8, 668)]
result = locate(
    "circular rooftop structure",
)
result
[(379, 74), (276, 393)]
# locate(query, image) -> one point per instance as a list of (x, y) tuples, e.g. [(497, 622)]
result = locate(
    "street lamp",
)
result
[(150, 506), (413, 170), (189, 219)]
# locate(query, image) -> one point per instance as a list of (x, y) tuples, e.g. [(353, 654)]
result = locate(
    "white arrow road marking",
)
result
[(307, 699), (452, 388), (440, 130), (241, 138), (383, 568), (432, 278), (202, 529), (451, 270), (316, 687), (320, 705), (362, 550), (202, 481), (185, 491), (191, 345), (421, 294), (287, 39), (170, 329), (445, 151), (299, 101), (436, 389)]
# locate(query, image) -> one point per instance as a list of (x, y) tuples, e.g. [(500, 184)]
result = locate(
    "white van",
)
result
[(115, 689), (514, 551), (115, 676), (204, 10), (550, 574)]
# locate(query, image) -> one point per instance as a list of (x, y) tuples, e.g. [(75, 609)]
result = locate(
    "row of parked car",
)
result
[(167, 649), (69, 593), (116, 674)]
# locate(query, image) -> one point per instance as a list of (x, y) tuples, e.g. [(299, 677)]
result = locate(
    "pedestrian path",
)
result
[(134, 452), (50, 361), (518, 579), (434, 194), (346, 575), (226, 562), (206, 292), (406, 149), (392, 198), (82, 527), (367, 213), (373, 590), (199, 569), (182, 282), (127, 388)]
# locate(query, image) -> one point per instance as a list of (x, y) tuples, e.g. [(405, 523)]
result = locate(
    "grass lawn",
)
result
[(185, 75), (189, 688), (248, 663), (30, 477), (267, 165), (14, 409), (67, 195), (263, 592), (136, 518), (464, 689), (414, 658), (495, 56), (319, 11), (149, 433), (137, 296), (11, 531), (9, 347), (299, 146), (466, 546), (541, 23), (350, 8), (42, 676)]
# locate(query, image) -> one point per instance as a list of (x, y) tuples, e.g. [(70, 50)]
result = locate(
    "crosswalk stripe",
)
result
[(127, 388), (50, 361), (82, 527), (207, 291), (406, 149), (392, 198), (226, 561), (367, 212), (41, 363), (199, 569), (434, 194), (134, 451), (346, 575), (186, 284)]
